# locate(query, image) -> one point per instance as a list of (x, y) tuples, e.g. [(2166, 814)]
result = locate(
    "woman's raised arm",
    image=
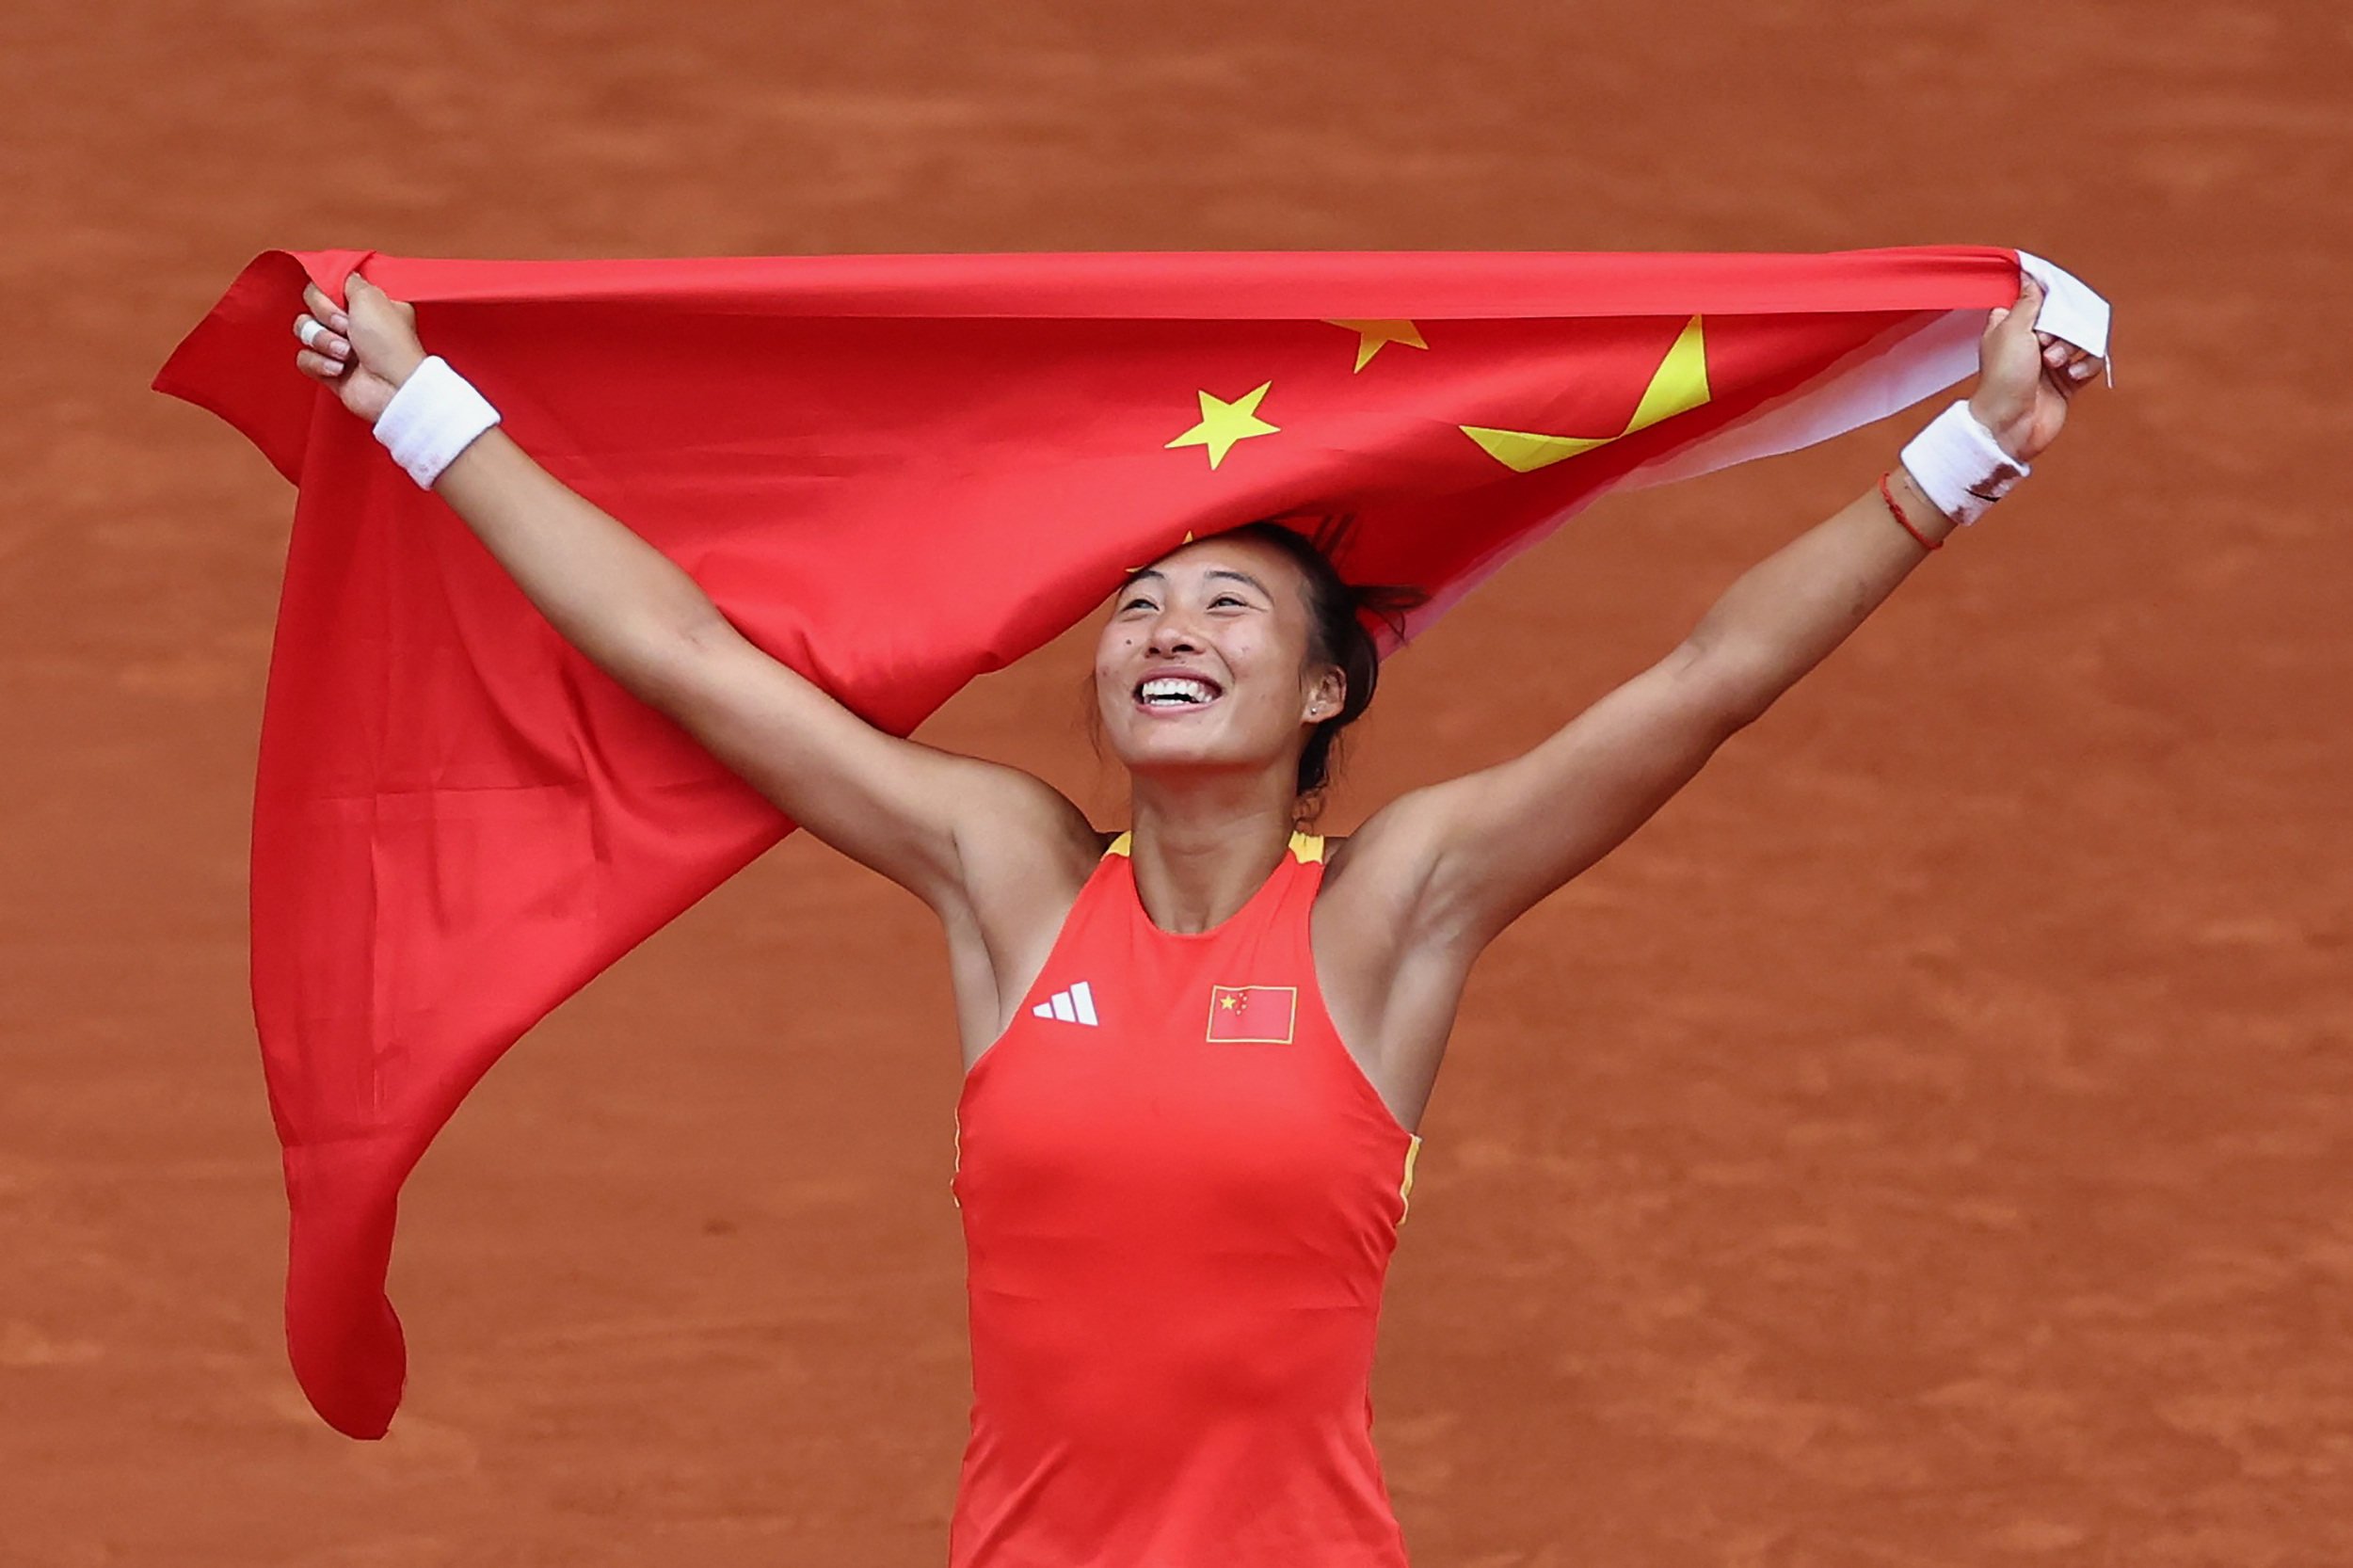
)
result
[(905, 809), (1469, 856)]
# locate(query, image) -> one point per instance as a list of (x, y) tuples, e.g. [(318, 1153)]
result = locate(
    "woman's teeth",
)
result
[(1172, 692)]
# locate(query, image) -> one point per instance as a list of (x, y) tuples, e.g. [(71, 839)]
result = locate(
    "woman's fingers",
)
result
[(2067, 366), (2074, 373), (326, 310), (325, 353), (319, 340)]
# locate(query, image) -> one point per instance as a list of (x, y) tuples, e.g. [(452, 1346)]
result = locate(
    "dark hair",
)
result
[(1341, 617)]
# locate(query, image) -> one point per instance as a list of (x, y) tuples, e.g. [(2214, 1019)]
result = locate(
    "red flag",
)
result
[(1253, 1014), (894, 474)]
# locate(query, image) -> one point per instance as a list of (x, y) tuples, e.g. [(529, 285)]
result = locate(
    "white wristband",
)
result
[(435, 415), (1958, 464)]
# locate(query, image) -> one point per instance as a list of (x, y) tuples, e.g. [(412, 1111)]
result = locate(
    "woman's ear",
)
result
[(1328, 695)]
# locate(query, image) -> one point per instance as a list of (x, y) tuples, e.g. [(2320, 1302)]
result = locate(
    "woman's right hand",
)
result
[(363, 354)]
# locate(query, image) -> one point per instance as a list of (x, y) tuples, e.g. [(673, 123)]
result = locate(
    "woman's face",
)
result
[(1203, 662)]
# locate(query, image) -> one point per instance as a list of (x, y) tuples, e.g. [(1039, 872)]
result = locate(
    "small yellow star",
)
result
[(1374, 336), (1222, 424), (1229, 1001), (1180, 544)]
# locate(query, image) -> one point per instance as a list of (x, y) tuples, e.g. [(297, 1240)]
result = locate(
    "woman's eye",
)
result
[(1139, 602)]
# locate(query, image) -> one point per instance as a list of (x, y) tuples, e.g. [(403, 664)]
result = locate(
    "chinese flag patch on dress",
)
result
[(1253, 1014)]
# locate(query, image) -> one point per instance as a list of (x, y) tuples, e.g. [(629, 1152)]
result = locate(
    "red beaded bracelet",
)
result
[(1897, 512)]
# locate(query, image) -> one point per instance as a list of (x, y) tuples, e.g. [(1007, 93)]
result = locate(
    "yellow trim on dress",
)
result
[(1405, 1188), (1306, 848)]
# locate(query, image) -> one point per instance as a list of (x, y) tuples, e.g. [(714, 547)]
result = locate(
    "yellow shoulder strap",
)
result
[(1306, 848)]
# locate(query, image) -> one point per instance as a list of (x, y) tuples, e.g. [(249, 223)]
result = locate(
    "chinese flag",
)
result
[(1253, 1014), (894, 474)]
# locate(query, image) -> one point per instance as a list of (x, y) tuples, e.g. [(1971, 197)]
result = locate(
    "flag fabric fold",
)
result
[(894, 474)]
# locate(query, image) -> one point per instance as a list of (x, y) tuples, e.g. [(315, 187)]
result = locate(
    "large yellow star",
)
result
[(1678, 386), (1222, 424), (1374, 336)]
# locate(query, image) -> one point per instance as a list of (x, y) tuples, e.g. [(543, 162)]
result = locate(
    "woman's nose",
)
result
[(1171, 634)]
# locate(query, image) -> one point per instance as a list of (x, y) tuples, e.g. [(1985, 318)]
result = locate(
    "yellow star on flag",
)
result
[(1678, 386), (1222, 424), (1229, 1001), (1374, 336)]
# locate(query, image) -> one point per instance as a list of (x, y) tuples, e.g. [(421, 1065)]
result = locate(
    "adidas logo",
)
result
[(1073, 1007)]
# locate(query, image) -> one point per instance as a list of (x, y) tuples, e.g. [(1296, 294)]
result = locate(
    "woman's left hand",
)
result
[(2025, 377)]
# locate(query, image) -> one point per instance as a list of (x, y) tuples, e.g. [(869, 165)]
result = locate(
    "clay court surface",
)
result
[(1925, 1146)]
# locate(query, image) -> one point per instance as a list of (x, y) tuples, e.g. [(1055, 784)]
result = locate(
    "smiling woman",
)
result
[(1338, 634), (1196, 1049)]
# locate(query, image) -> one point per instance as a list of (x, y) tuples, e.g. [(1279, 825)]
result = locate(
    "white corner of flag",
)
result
[(2072, 311)]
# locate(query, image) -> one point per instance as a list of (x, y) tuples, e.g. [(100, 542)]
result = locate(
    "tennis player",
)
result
[(1195, 1047)]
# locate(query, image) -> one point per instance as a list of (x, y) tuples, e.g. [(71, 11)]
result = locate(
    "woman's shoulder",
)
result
[(1021, 836)]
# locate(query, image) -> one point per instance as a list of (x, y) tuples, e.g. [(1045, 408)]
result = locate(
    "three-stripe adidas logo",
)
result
[(1073, 1007)]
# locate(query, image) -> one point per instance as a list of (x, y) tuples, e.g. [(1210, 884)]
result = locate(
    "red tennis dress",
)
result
[(1179, 1196)]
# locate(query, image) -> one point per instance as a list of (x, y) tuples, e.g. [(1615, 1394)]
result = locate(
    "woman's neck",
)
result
[(1200, 848)]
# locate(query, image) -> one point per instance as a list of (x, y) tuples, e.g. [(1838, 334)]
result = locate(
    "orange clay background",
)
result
[(1926, 1145)]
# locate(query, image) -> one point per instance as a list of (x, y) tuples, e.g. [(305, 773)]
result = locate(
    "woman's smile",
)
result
[(1170, 693)]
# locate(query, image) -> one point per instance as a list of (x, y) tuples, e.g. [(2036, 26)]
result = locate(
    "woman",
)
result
[(1195, 1050)]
